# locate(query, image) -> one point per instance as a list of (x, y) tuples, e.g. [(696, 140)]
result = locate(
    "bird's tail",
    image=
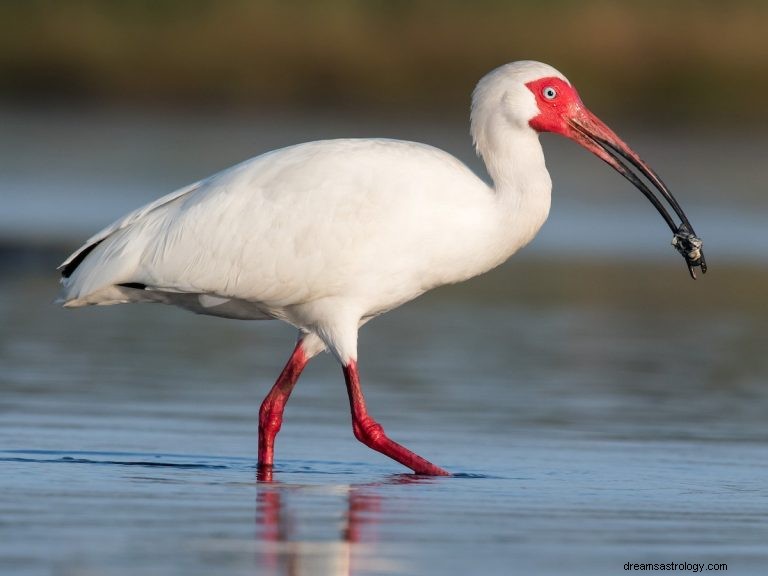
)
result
[(98, 272)]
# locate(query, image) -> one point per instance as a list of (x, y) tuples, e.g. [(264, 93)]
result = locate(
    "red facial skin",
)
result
[(565, 114), (553, 111)]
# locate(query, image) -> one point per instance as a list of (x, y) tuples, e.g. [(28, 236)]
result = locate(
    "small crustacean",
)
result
[(689, 245)]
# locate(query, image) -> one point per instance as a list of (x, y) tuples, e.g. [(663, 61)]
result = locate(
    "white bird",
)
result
[(327, 235)]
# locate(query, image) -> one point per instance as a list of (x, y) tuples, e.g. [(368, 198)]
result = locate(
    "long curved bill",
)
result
[(595, 136)]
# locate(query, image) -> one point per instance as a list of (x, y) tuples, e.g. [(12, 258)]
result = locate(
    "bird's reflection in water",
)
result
[(322, 529)]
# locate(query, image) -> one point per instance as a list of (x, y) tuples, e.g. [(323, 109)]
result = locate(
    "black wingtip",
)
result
[(71, 266), (134, 285)]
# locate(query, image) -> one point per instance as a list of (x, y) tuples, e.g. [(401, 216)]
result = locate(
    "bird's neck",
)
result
[(515, 161)]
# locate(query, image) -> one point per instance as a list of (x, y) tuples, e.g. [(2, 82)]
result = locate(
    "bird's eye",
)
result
[(549, 93)]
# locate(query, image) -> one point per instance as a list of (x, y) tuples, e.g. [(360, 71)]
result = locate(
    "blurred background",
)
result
[(653, 61), (594, 332), (105, 104)]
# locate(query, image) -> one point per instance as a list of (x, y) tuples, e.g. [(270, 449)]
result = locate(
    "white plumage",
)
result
[(326, 235)]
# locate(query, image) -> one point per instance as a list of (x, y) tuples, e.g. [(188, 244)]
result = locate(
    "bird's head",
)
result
[(531, 96)]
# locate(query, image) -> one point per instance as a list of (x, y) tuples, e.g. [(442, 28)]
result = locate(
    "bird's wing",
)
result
[(294, 225), (201, 238), (70, 264)]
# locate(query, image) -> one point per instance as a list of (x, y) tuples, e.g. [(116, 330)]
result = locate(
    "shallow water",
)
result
[(596, 406), (586, 431), (570, 506)]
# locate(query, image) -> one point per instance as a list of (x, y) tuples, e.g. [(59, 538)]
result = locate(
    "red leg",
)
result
[(370, 432), (271, 412)]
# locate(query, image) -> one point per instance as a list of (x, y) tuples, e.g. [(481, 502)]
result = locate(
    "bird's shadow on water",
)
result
[(206, 462), (365, 504), (322, 515), (143, 459)]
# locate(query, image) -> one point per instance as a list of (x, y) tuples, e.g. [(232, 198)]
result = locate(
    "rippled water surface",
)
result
[(584, 434), (596, 409)]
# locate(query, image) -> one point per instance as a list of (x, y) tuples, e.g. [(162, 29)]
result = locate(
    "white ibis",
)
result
[(327, 235)]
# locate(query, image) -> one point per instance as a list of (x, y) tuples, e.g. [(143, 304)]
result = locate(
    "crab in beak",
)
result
[(561, 111)]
